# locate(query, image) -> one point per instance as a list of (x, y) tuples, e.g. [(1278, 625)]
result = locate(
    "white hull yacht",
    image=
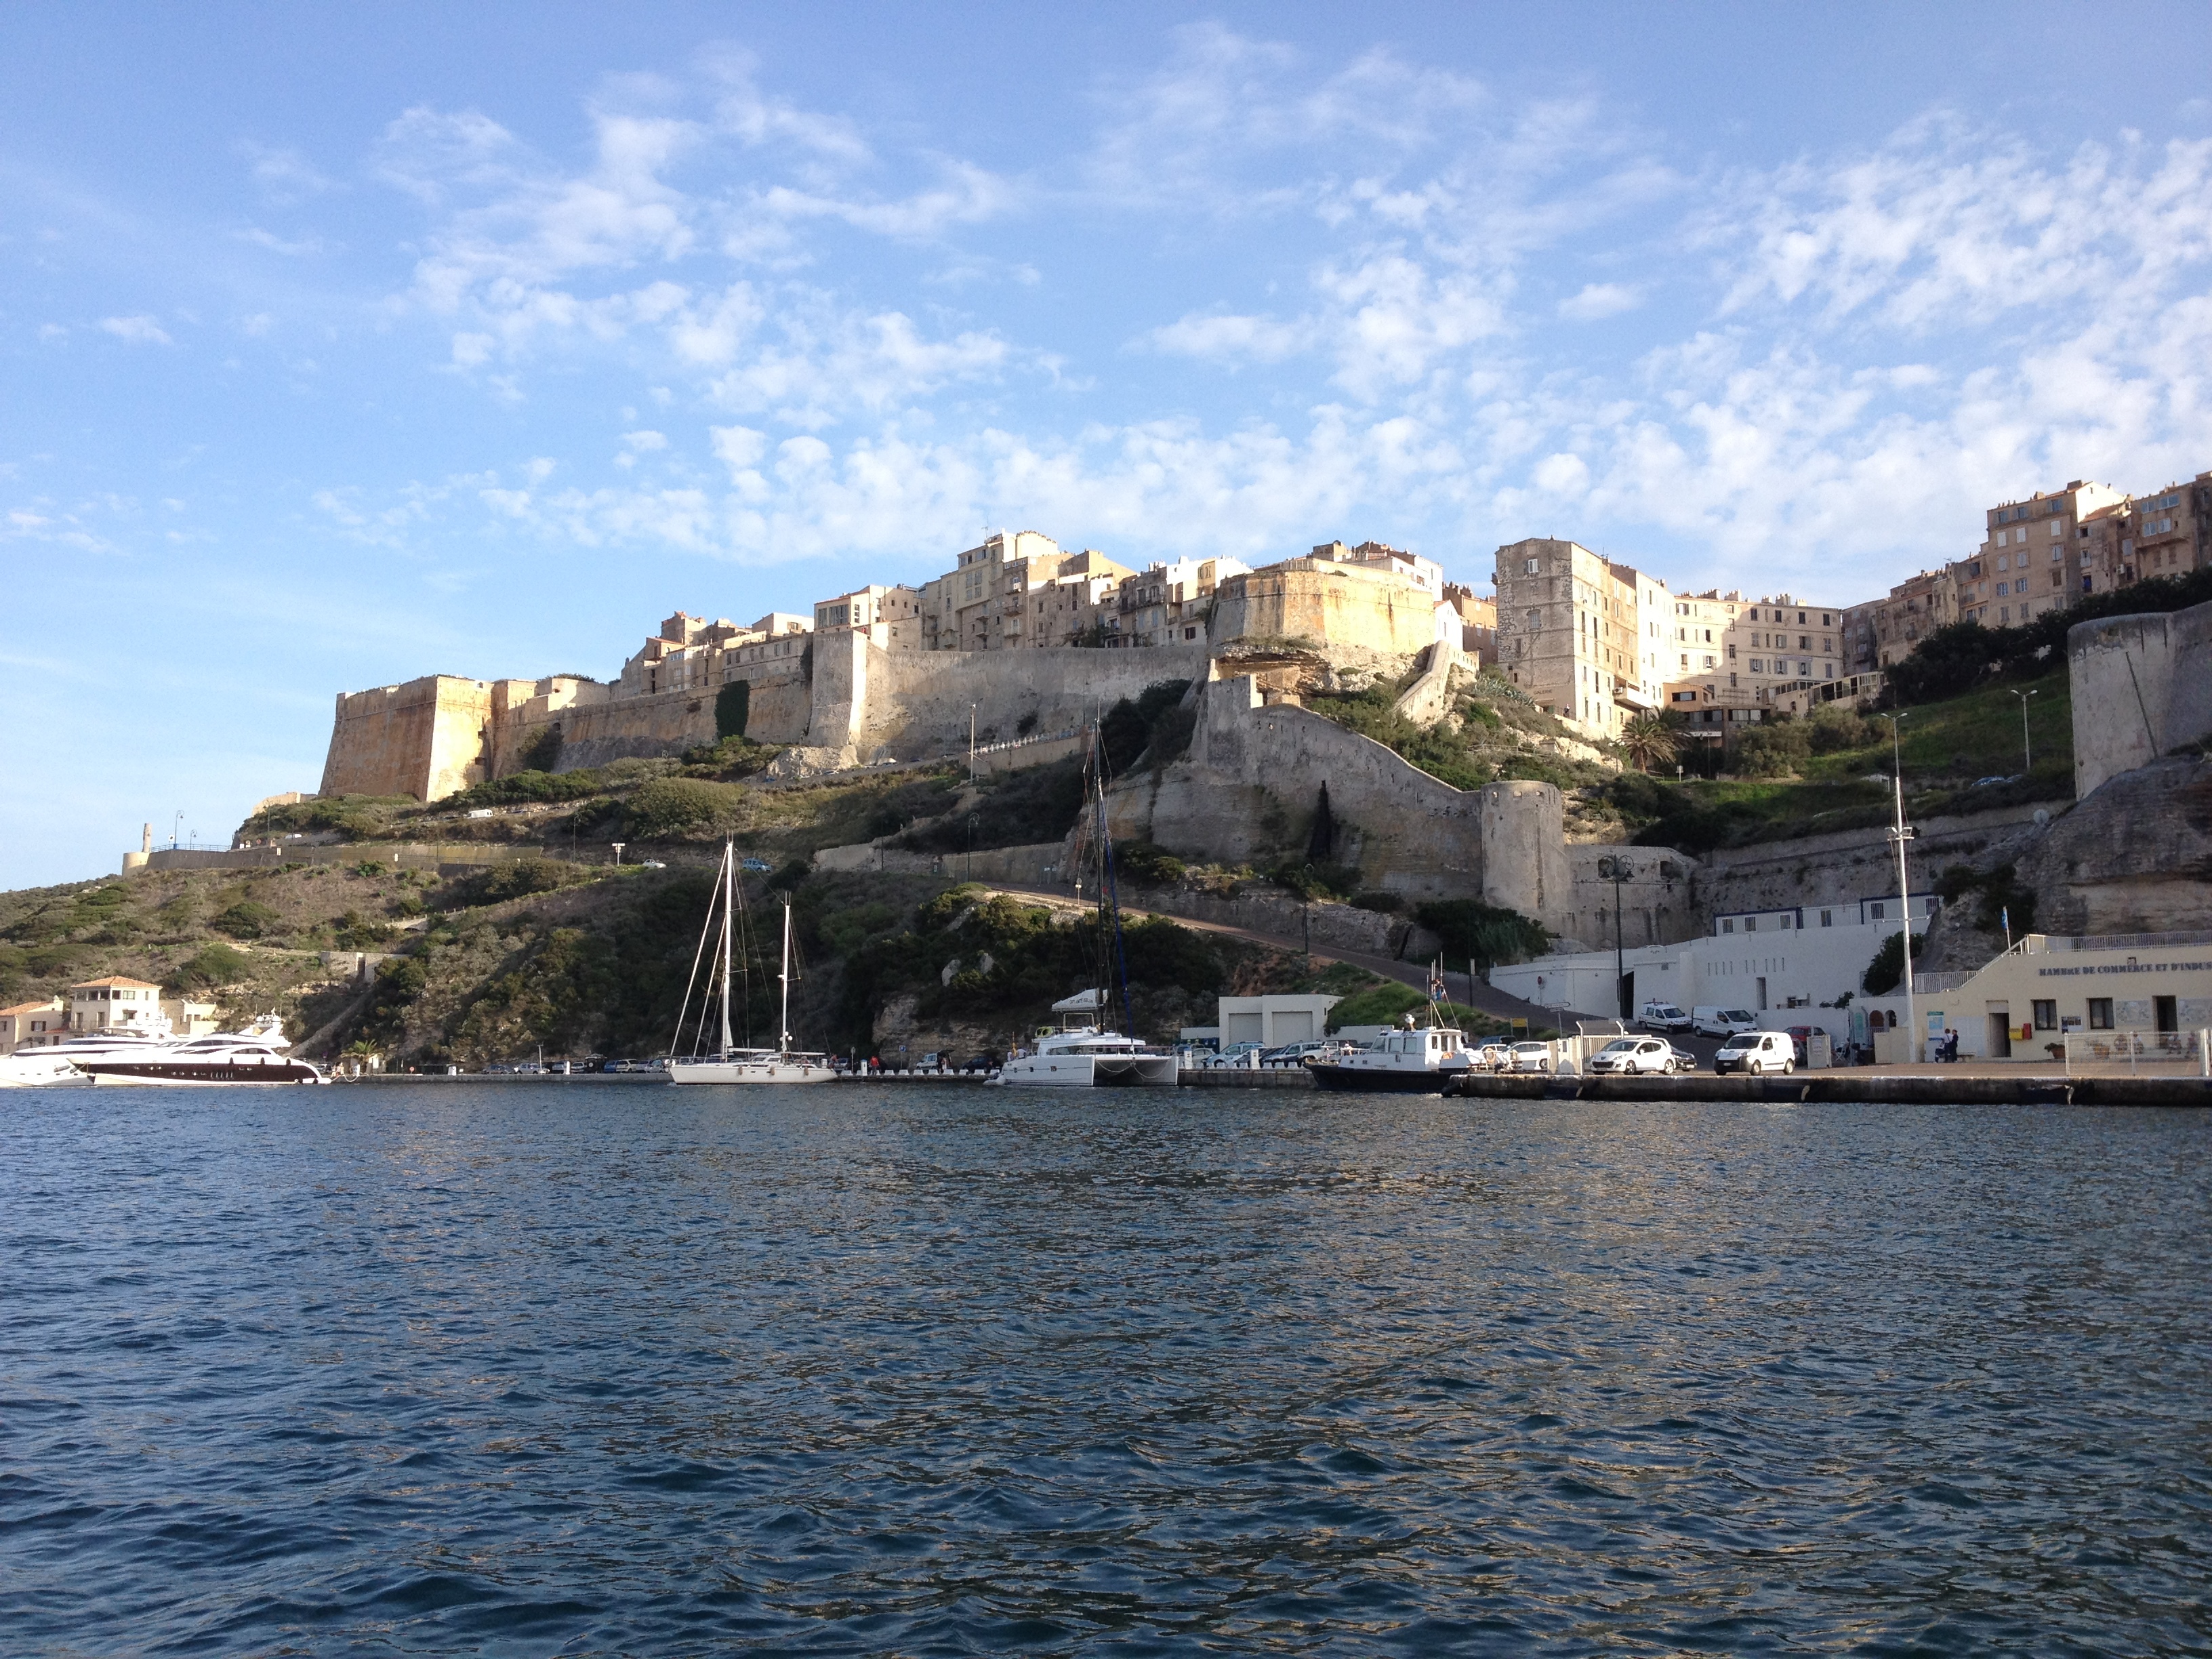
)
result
[(154, 1057), (1082, 1055), (41, 1068), (729, 1063)]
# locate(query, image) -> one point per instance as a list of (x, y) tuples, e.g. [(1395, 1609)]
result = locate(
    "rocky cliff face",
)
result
[(2134, 857)]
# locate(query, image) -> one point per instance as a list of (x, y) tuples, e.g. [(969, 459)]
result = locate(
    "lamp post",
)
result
[(2026, 755), (1617, 871), (1899, 834), (617, 846), (971, 743)]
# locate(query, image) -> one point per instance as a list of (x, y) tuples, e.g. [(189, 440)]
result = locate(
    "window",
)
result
[(2100, 1013), (1751, 924), (1874, 912), (1529, 568), (2046, 1016), (1827, 918), (1728, 925)]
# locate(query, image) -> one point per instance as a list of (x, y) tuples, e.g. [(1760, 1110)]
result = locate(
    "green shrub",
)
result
[(730, 757), (1887, 971), (677, 809), (209, 966), (1141, 861), (521, 787), (1773, 748), (1317, 881), (246, 920), (1485, 934), (544, 754), (733, 709)]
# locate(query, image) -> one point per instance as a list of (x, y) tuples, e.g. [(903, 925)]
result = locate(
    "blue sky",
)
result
[(346, 345)]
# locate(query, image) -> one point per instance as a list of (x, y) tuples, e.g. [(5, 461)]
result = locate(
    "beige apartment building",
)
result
[(890, 617), (1734, 659), (2036, 554), (1586, 638), (1164, 603), (2165, 534), (689, 653), (1015, 589), (32, 1025)]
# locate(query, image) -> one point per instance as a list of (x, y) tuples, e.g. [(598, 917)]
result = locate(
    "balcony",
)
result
[(1630, 694)]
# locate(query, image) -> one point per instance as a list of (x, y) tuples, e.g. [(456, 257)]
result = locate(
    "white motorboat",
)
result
[(729, 1063), (1418, 1060), (254, 1056), (41, 1068), (1082, 1054)]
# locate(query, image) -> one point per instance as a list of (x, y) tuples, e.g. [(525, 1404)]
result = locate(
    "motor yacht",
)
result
[(39, 1068), (153, 1056), (1416, 1060)]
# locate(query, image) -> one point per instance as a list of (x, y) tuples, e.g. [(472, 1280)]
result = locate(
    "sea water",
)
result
[(567, 1368)]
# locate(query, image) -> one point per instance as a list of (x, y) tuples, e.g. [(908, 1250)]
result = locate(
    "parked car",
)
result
[(757, 866), (1684, 1060), (1664, 1017), (1239, 1053), (1723, 1022), (1757, 1051), (1295, 1054), (1532, 1056), (1491, 1057), (1634, 1055)]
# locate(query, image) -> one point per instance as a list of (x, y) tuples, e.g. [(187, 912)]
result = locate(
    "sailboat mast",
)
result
[(729, 905), (783, 1026)]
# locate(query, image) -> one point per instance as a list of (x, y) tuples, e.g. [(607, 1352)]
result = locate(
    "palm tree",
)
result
[(1650, 738)]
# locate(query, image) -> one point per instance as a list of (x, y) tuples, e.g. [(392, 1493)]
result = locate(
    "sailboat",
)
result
[(729, 1063), (1087, 1051)]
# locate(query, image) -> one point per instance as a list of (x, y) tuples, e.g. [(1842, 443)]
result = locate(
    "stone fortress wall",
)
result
[(2141, 688)]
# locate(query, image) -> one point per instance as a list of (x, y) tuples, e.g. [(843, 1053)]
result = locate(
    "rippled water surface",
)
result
[(578, 1369)]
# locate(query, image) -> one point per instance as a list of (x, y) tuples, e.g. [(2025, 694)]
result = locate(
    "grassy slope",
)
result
[(1946, 746)]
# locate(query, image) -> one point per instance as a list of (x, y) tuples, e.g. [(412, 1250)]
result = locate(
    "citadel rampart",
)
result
[(2142, 687), (425, 738), (1314, 599)]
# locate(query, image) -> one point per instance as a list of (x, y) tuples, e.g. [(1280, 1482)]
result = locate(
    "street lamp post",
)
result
[(1617, 871), (617, 846), (2026, 755)]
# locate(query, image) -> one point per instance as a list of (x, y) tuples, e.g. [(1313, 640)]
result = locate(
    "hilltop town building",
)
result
[(1591, 641), (1735, 658), (98, 1004), (891, 617)]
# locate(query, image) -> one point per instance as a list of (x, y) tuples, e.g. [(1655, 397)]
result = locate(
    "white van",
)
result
[(1757, 1051), (1723, 1022), (1664, 1017)]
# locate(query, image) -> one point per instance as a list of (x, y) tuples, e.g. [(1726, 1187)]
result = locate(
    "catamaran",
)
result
[(1087, 1051), (729, 1063)]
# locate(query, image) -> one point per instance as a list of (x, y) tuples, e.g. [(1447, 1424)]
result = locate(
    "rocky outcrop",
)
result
[(2134, 857)]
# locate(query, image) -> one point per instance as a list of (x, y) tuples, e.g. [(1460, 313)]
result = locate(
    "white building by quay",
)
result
[(1788, 967)]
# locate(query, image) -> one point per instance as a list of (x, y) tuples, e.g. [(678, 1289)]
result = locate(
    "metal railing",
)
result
[(2167, 1051)]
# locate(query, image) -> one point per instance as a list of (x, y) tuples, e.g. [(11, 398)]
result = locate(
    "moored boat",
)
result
[(39, 1068), (730, 1063), (1420, 1060), (1082, 1055)]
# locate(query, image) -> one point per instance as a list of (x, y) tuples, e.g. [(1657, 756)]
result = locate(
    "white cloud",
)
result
[(1598, 301), (283, 176), (1228, 338), (141, 330)]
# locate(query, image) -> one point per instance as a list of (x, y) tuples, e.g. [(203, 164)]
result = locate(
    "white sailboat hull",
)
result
[(775, 1068)]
